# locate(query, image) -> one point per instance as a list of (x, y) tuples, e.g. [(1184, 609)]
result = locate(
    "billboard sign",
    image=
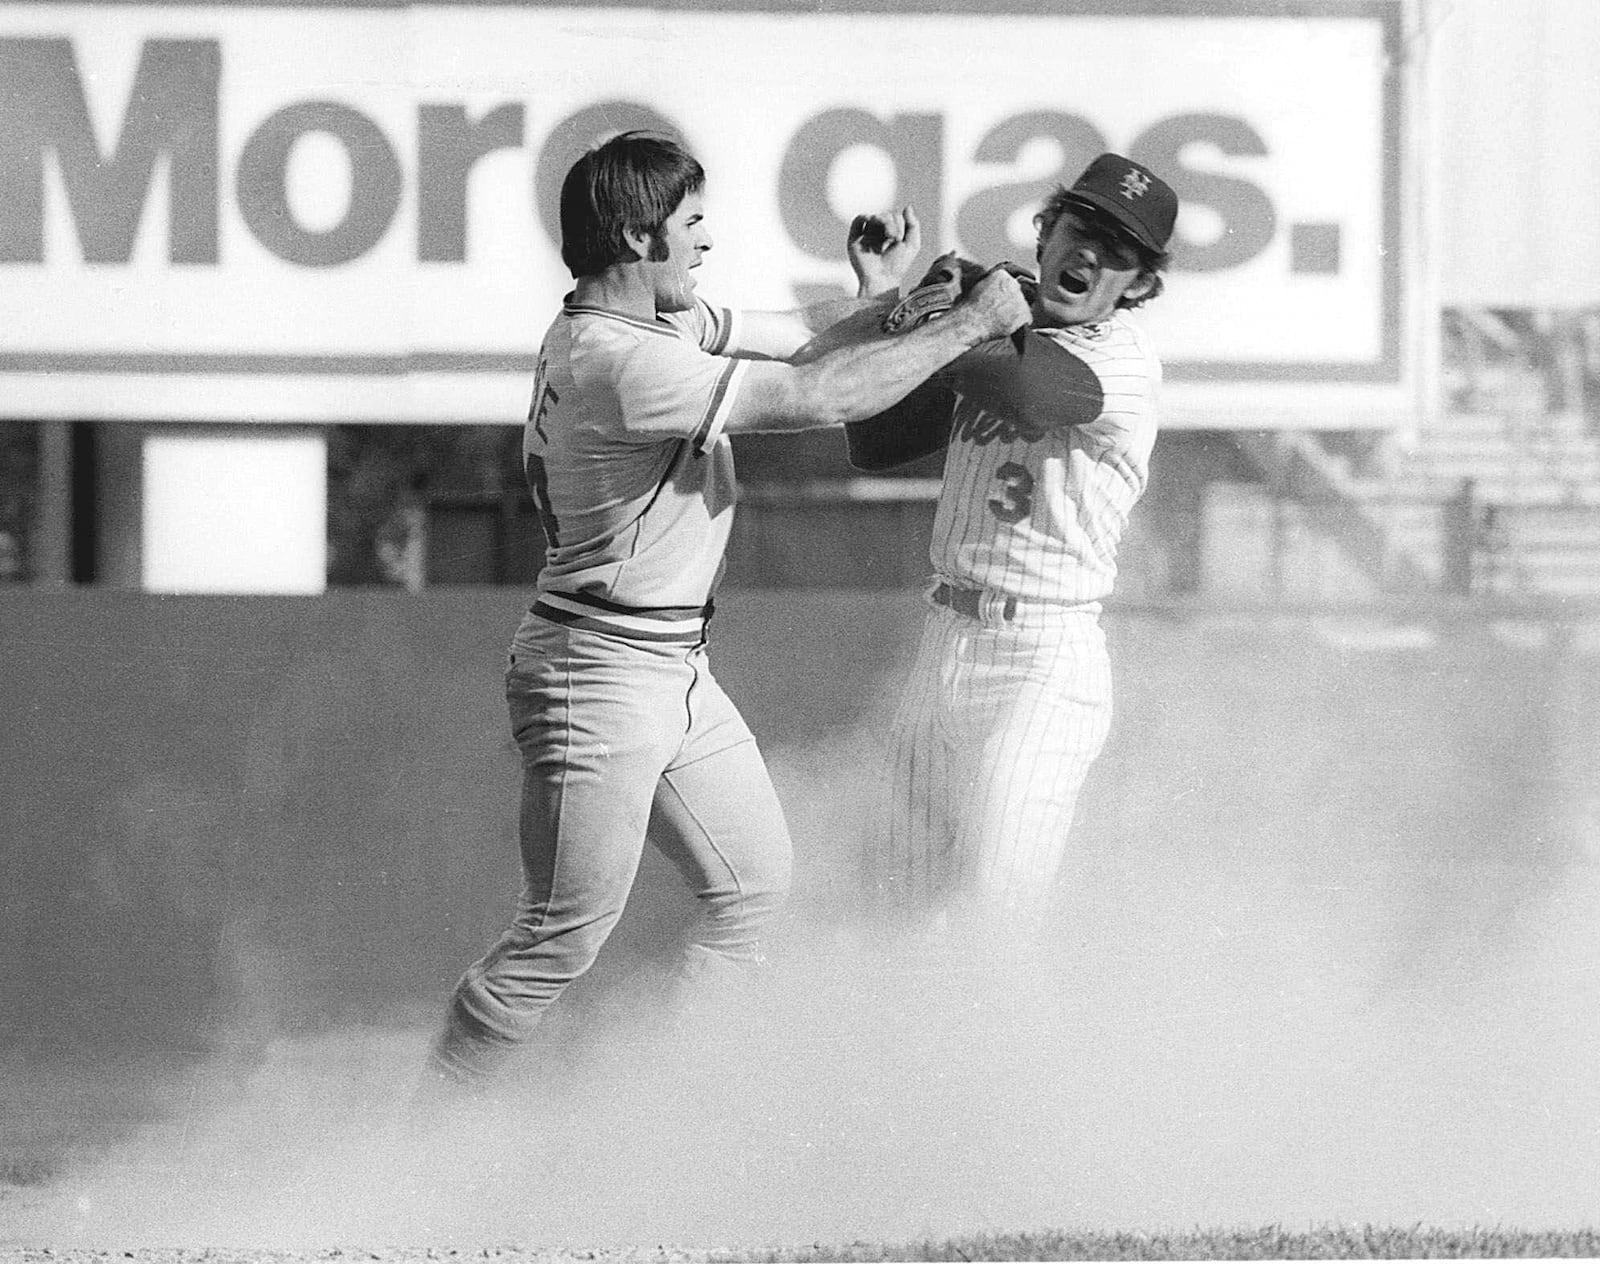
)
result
[(346, 212)]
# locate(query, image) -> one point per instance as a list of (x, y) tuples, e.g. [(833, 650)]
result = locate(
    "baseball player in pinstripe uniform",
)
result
[(1009, 700), (623, 729)]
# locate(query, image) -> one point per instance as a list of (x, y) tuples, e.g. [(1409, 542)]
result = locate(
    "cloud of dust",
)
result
[(1207, 1038)]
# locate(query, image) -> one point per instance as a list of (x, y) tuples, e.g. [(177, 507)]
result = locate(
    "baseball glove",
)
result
[(941, 288)]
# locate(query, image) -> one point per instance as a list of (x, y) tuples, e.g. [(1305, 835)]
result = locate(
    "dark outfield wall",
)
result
[(291, 811)]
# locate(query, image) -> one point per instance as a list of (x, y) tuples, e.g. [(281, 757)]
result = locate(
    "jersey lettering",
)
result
[(980, 427), (539, 486), (544, 398)]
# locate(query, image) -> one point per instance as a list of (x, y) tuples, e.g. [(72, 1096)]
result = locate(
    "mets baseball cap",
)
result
[(1133, 195)]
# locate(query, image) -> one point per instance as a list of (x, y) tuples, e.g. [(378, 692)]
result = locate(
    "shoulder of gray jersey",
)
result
[(709, 327)]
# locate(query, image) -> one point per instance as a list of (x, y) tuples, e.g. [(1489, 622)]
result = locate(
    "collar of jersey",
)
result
[(589, 309), (1094, 330)]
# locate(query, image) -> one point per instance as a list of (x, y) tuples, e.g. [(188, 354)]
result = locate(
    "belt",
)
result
[(969, 601), (675, 625)]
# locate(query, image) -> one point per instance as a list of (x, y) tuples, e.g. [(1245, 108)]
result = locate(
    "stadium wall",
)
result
[(271, 813)]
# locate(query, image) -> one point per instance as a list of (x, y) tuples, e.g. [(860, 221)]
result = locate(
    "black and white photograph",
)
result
[(724, 631)]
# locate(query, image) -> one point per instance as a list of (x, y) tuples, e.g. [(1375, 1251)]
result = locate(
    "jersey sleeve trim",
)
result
[(722, 329), (713, 329), (719, 407)]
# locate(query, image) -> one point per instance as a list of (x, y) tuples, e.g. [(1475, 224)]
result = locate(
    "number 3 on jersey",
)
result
[(1014, 501)]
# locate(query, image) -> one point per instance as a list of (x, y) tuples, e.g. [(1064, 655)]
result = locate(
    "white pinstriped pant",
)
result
[(1000, 723)]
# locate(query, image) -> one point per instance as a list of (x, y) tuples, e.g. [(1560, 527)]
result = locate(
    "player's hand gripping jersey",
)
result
[(628, 465)]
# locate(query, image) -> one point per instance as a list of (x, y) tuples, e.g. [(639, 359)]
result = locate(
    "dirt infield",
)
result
[(1328, 956), (482, 1255), (854, 1111), (1270, 1243)]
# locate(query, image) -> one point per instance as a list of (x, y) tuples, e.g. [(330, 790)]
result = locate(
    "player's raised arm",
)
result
[(856, 381), (881, 249)]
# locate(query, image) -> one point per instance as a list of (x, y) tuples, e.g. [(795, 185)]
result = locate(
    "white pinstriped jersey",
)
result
[(1042, 519), (626, 457)]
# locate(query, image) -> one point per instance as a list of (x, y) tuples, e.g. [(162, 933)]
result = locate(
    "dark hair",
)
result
[(633, 182), (1151, 262)]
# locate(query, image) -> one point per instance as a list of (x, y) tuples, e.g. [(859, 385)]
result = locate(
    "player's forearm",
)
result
[(863, 324), (829, 312), (786, 335), (851, 383), (861, 380)]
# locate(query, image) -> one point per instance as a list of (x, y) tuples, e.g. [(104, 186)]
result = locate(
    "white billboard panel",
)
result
[(259, 525), (282, 213)]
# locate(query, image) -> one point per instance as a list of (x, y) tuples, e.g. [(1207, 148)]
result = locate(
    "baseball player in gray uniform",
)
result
[(1009, 699), (624, 731)]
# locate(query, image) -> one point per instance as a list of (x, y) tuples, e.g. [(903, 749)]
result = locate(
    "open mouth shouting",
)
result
[(1072, 283)]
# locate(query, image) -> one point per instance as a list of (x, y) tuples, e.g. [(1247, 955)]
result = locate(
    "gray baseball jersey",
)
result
[(620, 722)]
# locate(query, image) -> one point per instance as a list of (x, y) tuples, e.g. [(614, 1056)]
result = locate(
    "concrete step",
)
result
[(1490, 487), (1559, 446), (1455, 450), (1554, 549), (1581, 465), (1552, 568), (1447, 476), (1556, 584), (1544, 530), (1395, 528), (1571, 587), (1512, 422), (1402, 514)]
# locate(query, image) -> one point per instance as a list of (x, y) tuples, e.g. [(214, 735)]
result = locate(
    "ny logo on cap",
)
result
[(1134, 184)]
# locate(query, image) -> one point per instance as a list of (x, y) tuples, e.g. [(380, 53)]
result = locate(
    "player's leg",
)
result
[(596, 720), (907, 864), (1044, 704), (717, 818)]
